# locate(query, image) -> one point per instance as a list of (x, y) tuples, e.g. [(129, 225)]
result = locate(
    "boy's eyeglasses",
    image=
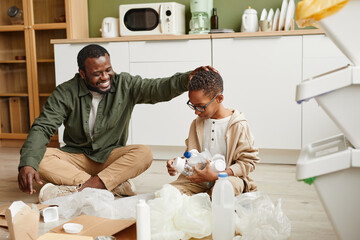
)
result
[(201, 108)]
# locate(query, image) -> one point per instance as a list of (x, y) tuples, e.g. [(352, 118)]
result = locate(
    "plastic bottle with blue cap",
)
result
[(223, 209), (186, 165)]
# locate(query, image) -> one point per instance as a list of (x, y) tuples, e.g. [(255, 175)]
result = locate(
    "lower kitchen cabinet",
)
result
[(260, 77)]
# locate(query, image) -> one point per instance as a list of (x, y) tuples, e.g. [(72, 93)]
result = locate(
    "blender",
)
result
[(200, 16)]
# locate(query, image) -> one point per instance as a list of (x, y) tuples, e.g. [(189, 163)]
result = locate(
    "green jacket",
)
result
[(70, 103)]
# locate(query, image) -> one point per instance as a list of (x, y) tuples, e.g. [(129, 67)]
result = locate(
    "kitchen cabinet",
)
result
[(165, 123), (260, 76), (320, 55), (27, 72), (66, 64)]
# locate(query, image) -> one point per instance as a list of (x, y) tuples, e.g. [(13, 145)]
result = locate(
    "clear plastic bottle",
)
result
[(186, 165), (143, 230), (223, 209)]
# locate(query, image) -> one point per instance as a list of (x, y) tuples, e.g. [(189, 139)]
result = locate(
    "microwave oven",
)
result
[(152, 19)]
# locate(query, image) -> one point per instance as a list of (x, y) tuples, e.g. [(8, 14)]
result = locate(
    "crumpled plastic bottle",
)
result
[(193, 158), (186, 165)]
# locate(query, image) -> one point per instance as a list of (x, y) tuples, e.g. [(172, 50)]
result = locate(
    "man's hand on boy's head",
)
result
[(206, 68), (203, 175)]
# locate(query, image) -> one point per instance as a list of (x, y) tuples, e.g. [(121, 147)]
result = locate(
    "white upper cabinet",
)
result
[(260, 77), (165, 123), (320, 56)]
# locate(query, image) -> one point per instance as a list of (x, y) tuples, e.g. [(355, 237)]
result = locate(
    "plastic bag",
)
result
[(308, 12), (176, 216), (259, 219), (97, 202)]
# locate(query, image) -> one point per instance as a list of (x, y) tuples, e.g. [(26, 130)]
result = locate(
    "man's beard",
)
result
[(94, 89)]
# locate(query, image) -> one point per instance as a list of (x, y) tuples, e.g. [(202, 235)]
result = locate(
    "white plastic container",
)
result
[(336, 168), (342, 29), (338, 93), (223, 209), (143, 230)]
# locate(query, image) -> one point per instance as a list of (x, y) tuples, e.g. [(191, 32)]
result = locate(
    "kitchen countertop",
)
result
[(190, 36)]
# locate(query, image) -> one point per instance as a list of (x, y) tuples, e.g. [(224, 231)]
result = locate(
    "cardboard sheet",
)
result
[(96, 226)]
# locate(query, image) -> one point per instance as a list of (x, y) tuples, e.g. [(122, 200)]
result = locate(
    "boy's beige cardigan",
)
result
[(241, 154)]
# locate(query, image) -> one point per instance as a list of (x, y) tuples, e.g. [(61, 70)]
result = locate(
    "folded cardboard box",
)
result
[(124, 229), (3, 208), (22, 221)]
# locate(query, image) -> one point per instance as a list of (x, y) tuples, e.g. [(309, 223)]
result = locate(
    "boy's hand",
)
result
[(204, 175), (170, 168)]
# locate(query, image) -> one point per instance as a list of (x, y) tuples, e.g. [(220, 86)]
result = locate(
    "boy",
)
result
[(221, 131)]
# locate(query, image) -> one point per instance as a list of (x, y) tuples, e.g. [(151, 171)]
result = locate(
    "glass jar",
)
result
[(16, 15)]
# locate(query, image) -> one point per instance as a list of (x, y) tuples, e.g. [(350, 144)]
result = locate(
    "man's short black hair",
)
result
[(90, 51), (209, 81)]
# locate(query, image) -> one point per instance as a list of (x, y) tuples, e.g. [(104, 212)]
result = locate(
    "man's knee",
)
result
[(146, 154)]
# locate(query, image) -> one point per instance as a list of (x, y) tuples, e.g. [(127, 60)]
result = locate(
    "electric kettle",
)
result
[(249, 21), (110, 27)]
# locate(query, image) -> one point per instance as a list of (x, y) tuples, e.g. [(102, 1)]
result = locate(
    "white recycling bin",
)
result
[(342, 28), (334, 167), (338, 93)]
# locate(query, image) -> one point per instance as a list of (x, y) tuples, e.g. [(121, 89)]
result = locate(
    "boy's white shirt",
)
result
[(214, 135), (94, 106)]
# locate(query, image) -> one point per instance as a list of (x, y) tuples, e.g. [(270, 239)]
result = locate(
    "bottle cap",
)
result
[(187, 154), (222, 175), (218, 165)]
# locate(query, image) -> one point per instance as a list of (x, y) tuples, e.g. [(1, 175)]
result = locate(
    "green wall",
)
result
[(229, 11)]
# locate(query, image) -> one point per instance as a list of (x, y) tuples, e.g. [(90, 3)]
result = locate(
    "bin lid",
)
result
[(327, 82)]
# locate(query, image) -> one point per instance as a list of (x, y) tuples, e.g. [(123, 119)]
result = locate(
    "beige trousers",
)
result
[(63, 168), (189, 188)]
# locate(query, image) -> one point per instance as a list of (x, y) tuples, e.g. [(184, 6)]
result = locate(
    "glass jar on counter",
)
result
[(16, 15)]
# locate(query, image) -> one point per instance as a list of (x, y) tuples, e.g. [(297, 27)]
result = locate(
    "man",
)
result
[(95, 108)]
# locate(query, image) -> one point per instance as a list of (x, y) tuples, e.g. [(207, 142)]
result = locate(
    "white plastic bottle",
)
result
[(223, 209), (143, 230)]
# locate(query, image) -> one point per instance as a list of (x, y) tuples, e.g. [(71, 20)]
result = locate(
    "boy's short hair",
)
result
[(90, 51), (209, 81)]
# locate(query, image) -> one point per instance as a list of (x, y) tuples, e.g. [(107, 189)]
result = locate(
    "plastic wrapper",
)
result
[(259, 219), (308, 12), (176, 216), (97, 202)]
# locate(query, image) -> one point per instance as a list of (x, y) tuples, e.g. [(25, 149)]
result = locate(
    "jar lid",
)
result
[(13, 11)]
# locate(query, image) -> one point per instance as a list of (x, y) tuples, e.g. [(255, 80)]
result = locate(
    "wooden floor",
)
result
[(300, 201)]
